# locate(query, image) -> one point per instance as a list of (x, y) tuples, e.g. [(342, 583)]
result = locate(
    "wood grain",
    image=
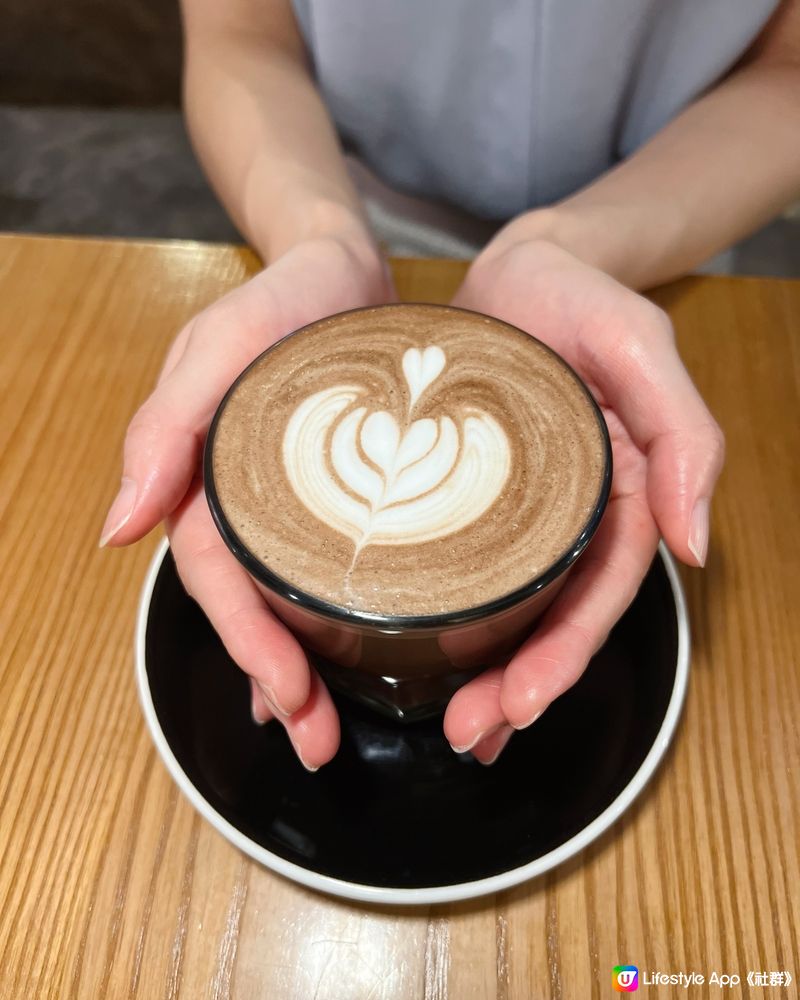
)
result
[(112, 886)]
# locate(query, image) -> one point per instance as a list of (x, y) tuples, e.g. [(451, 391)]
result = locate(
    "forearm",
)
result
[(267, 144), (723, 167)]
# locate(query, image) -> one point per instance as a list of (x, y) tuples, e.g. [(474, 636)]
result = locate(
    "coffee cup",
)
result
[(409, 486)]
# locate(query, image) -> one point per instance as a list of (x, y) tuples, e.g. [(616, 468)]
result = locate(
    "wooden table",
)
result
[(112, 886)]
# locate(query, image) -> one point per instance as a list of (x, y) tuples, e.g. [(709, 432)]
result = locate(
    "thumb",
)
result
[(683, 466), (161, 458), (164, 441), (635, 363)]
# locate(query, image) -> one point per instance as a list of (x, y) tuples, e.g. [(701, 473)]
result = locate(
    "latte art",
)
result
[(378, 482), (407, 460)]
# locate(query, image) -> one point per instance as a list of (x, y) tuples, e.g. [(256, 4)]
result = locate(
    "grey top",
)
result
[(497, 106)]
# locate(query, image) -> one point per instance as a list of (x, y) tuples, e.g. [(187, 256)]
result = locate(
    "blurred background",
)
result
[(92, 141)]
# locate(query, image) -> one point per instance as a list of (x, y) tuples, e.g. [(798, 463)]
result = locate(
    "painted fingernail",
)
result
[(120, 512), (530, 722), (272, 701), (497, 743), (477, 738), (698, 530)]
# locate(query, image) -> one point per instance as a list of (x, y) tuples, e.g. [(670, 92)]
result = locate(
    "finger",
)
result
[(163, 444), (489, 749), (474, 719), (474, 711), (175, 353), (164, 441), (259, 709), (638, 370), (161, 455), (258, 642), (314, 728), (313, 731), (576, 625)]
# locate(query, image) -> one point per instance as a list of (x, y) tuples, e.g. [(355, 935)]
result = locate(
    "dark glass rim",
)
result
[(333, 612)]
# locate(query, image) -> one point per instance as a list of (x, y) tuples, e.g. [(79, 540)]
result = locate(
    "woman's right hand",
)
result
[(162, 479)]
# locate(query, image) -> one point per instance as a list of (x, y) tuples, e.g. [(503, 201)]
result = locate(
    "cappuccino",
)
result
[(408, 460)]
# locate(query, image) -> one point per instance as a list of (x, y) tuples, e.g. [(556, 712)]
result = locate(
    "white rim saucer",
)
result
[(429, 894)]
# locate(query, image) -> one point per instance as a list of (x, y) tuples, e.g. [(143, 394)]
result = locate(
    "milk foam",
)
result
[(408, 459), (379, 483)]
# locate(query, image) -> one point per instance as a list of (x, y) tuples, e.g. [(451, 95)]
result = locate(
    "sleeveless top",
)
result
[(497, 106)]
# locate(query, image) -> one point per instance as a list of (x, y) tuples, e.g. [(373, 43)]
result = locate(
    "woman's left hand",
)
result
[(668, 452)]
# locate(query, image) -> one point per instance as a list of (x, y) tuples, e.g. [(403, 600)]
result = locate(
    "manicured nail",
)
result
[(272, 701), (257, 705), (254, 714), (698, 530), (308, 767), (477, 738), (502, 736), (530, 722), (121, 510)]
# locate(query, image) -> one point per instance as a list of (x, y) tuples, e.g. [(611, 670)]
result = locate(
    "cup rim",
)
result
[(429, 894), (401, 623)]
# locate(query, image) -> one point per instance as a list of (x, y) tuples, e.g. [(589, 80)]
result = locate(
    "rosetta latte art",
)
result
[(380, 483), (407, 460)]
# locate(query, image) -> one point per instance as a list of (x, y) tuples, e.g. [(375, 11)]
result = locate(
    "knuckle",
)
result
[(228, 314), (201, 329), (179, 343), (642, 333), (196, 565), (242, 632), (716, 445), (583, 639), (238, 621), (664, 322), (717, 438), (707, 436), (658, 322), (145, 426), (210, 563), (145, 418)]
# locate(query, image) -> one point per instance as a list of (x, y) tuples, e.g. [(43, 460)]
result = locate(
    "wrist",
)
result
[(591, 234), (302, 217), (320, 222), (366, 259)]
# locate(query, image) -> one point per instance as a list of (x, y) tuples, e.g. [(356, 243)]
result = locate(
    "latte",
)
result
[(408, 460)]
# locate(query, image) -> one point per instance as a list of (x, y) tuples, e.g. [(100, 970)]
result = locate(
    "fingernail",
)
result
[(256, 704), (308, 767), (502, 737), (477, 738), (698, 530), (121, 510), (254, 714), (530, 722), (272, 701)]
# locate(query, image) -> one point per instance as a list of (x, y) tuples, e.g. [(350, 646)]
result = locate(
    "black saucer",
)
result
[(397, 809)]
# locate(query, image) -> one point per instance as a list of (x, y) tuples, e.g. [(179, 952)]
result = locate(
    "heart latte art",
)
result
[(379, 482), (407, 460)]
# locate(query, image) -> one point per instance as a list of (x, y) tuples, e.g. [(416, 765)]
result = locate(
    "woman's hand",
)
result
[(668, 452), (162, 477)]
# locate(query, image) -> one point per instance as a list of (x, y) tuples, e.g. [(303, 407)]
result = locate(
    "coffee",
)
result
[(408, 460)]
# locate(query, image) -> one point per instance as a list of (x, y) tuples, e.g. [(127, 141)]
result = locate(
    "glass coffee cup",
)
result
[(329, 414)]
